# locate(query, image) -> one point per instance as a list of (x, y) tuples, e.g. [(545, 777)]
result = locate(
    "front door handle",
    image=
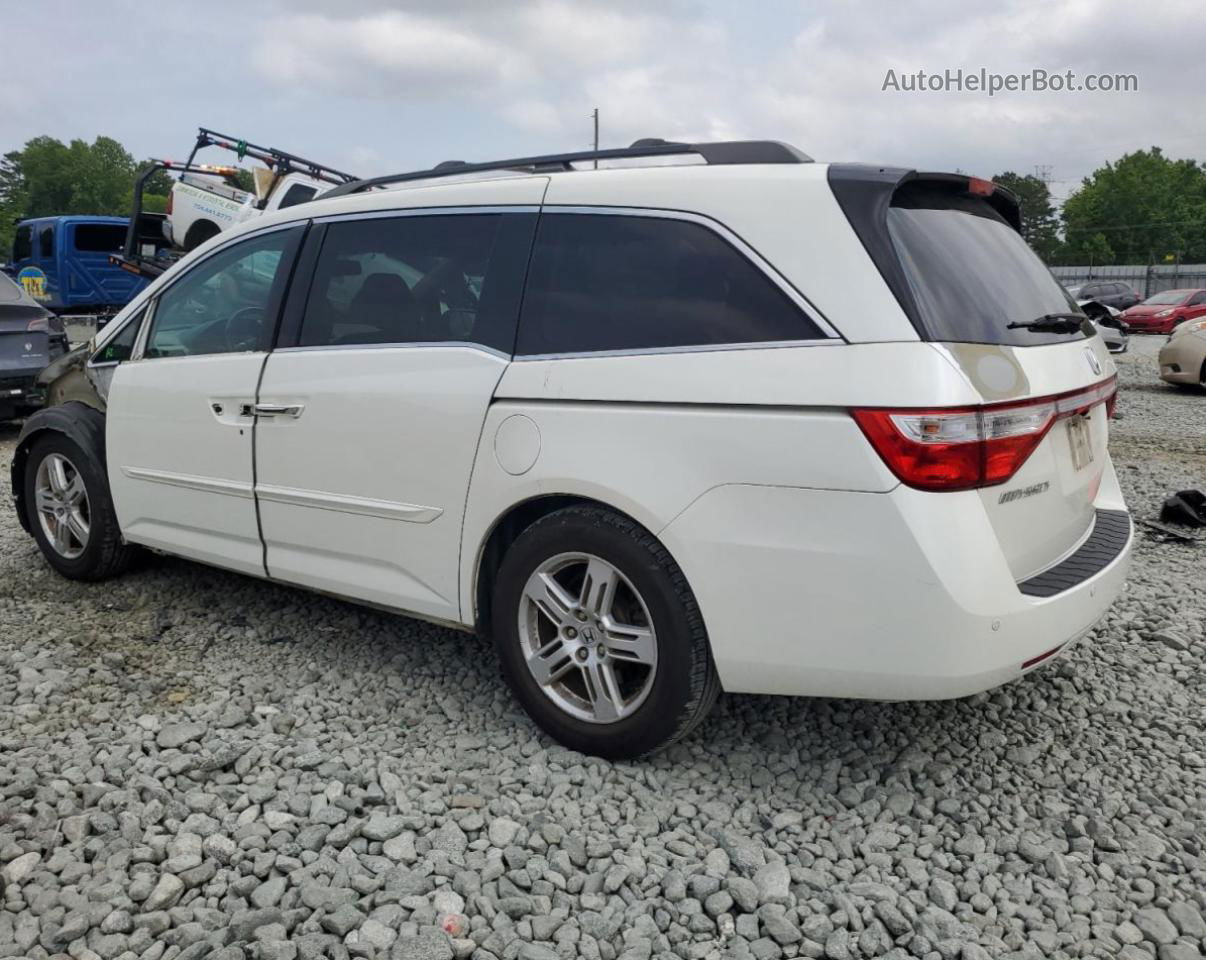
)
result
[(293, 410)]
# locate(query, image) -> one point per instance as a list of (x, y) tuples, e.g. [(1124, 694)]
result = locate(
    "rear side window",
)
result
[(297, 193), (971, 274), (23, 244), (603, 282), (99, 237), (419, 279), (46, 243)]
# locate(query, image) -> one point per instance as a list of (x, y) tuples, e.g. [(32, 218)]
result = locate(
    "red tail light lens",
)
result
[(167, 210), (963, 448), (980, 188), (48, 324)]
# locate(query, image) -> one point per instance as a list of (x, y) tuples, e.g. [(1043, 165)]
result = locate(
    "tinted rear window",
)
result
[(608, 282), (99, 237), (970, 272)]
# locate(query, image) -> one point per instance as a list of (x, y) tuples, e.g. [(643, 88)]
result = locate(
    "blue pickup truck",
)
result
[(63, 263)]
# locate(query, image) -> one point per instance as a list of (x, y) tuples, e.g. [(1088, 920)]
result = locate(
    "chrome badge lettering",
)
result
[(1022, 492)]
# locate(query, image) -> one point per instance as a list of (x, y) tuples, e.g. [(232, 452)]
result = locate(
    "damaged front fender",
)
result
[(70, 380)]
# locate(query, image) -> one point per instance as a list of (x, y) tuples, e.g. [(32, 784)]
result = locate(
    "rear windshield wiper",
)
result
[(1051, 323)]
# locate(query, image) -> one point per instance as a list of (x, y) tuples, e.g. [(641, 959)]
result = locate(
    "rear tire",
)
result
[(619, 609), (70, 511)]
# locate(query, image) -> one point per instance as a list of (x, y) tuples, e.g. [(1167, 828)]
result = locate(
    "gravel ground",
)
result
[(195, 764)]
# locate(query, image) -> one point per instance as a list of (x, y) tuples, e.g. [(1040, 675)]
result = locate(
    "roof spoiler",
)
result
[(870, 188)]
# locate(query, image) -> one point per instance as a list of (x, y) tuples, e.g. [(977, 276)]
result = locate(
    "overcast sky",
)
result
[(375, 86)]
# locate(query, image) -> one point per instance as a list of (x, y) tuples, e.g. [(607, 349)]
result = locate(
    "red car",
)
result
[(1160, 312)]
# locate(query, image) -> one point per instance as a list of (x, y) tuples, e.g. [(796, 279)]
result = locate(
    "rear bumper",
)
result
[(828, 593), (19, 394)]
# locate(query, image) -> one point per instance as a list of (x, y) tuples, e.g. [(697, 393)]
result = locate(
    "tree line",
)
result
[(1141, 208)]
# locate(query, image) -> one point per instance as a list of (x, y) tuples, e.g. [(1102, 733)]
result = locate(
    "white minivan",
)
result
[(711, 416)]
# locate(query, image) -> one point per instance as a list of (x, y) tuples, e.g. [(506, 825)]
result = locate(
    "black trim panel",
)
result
[(1111, 533), (289, 321)]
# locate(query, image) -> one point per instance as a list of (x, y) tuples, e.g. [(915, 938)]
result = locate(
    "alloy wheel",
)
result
[(587, 637), (62, 504)]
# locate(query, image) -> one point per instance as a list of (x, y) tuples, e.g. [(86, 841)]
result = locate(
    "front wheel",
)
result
[(599, 635), (71, 512)]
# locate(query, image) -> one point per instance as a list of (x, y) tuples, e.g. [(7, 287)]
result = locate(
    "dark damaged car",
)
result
[(31, 337)]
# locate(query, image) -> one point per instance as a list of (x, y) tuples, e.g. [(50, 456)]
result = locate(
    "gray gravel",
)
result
[(195, 764)]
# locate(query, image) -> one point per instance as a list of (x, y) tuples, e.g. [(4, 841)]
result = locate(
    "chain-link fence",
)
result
[(1147, 280)]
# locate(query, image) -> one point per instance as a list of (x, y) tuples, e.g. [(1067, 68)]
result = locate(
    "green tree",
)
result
[(1040, 225), (48, 178), (1139, 207)]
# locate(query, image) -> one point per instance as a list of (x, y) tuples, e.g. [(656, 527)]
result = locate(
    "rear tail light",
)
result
[(168, 208), (963, 448), (48, 324)]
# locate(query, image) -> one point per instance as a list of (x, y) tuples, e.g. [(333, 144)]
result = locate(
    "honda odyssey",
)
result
[(746, 423)]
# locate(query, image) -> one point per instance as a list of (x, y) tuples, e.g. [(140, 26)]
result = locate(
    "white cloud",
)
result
[(538, 116), (420, 80), (384, 54)]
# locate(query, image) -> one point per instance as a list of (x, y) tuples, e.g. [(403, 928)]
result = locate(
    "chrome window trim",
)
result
[(693, 348), (462, 210), (400, 345), (759, 262)]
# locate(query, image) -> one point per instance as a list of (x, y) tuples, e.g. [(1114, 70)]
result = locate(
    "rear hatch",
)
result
[(23, 353), (1035, 452)]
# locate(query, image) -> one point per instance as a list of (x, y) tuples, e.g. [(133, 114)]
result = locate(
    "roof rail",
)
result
[(721, 152)]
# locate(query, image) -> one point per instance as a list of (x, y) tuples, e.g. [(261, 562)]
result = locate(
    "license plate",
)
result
[(1080, 441)]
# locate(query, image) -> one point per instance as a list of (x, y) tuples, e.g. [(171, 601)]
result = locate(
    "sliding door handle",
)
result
[(293, 410)]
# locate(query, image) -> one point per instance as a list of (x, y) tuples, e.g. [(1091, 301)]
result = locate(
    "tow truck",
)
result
[(207, 199)]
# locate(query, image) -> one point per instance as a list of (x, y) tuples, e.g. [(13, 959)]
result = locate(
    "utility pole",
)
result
[(1043, 172), (595, 115)]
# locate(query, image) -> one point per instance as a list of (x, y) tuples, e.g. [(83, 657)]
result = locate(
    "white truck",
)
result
[(206, 200)]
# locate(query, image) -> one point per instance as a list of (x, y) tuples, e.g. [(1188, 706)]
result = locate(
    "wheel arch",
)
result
[(508, 527), (80, 423), (198, 232)]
